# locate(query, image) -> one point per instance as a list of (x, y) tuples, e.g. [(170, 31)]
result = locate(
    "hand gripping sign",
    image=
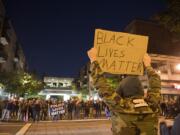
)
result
[(120, 53)]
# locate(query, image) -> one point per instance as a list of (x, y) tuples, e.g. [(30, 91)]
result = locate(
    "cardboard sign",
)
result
[(57, 109), (120, 53)]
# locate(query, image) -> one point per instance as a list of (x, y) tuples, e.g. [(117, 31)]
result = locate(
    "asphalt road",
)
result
[(65, 127), (8, 128), (100, 127)]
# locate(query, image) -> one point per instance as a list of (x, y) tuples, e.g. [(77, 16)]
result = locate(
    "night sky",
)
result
[(55, 34)]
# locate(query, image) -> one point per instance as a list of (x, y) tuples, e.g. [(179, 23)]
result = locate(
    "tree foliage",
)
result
[(80, 87), (170, 18), (20, 83)]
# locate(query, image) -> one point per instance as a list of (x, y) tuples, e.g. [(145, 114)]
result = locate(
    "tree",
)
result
[(21, 83), (170, 18), (30, 84), (10, 80), (80, 87)]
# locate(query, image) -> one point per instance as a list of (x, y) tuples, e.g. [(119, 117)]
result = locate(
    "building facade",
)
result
[(168, 67), (161, 41), (165, 53), (12, 57), (59, 88)]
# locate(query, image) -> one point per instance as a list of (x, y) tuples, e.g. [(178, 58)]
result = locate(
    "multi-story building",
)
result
[(3, 42), (84, 80), (164, 49), (168, 67), (13, 58), (11, 53), (2, 15), (161, 40), (58, 87)]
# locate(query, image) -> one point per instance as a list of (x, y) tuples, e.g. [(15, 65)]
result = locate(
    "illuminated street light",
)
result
[(158, 71), (1, 88), (178, 67), (26, 79), (177, 86)]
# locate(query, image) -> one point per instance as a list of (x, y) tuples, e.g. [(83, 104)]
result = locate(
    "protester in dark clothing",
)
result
[(164, 130), (1, 108), (16, 107), (70, 108), (36, 111), (77, 109), (168, 129), (24, 111), (176, 126), (87, 109), (97, 108), (13, 109), (6, 110), (163, 108), (44, 110), (30, 114)]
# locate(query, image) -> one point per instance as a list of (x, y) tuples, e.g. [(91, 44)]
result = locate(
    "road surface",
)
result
[(89, 127)]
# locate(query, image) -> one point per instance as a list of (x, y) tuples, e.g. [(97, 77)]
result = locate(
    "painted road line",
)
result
[(75, 120), (24, 129), (5, 125)]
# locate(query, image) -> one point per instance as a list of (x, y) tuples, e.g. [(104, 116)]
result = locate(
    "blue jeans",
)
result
[(164, 130), (36, 115)]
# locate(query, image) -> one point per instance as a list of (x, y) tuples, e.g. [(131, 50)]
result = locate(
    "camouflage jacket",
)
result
[(127, 105)]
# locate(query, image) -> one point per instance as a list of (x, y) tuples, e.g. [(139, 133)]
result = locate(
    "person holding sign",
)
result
[(132, 113)]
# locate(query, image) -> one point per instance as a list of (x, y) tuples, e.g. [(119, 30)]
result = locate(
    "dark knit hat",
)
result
[(130, 86)]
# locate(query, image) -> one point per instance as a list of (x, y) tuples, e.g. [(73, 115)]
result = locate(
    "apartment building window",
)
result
[(8, 36), (3, 52), (60, 84), (160, 66), (0, 23), (54, 84)]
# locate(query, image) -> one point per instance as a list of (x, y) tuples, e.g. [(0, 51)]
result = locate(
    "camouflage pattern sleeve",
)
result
[(110, 97), (153, 93)]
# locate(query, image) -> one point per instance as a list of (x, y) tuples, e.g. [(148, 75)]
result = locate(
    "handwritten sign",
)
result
[(120, 53), (57, 109)]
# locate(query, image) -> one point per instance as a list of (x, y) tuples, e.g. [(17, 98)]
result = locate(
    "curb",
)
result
[(24, 129), (75, 120)]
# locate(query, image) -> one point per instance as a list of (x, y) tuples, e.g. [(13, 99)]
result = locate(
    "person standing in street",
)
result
[(36, 108), (132, 113)]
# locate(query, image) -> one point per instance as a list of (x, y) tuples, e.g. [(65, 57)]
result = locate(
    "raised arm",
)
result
[(110, 97), (153, 93)]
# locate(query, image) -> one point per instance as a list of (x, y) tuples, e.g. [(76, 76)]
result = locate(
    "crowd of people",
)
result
[(171, 108), (38, 109)]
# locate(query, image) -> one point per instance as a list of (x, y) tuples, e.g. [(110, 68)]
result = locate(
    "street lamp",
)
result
[(158, 71), (177, 86), (177, 67)]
